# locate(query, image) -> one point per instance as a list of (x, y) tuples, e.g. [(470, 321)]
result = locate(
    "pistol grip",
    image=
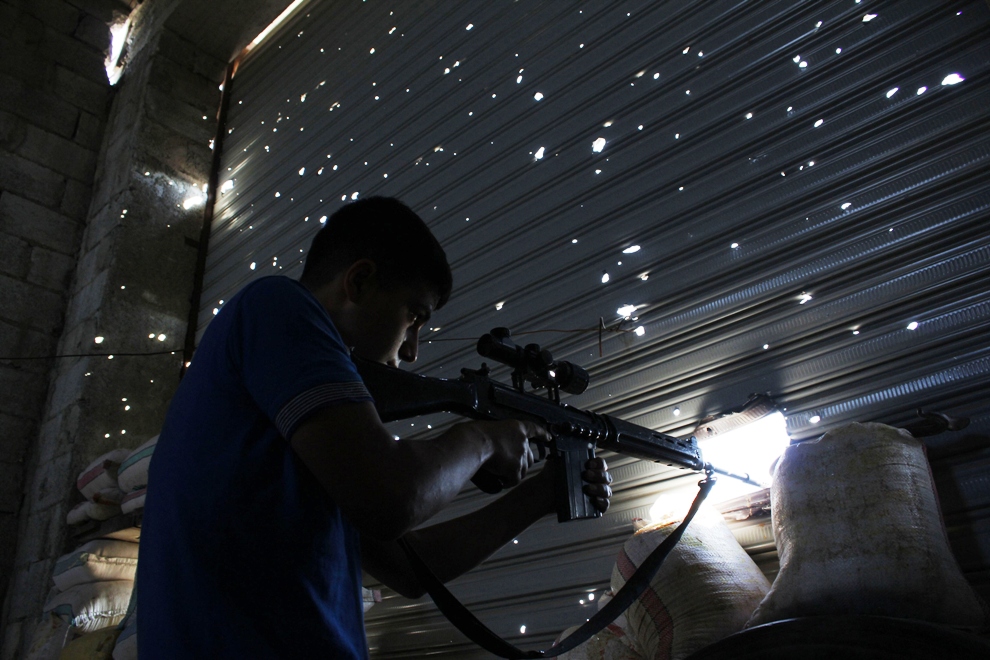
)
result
[(569, 498)]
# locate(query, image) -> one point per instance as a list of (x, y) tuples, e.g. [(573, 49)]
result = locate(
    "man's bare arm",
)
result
[(386, 487), (456, 546)]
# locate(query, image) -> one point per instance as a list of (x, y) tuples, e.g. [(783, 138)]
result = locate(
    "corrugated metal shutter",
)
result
[(806, 182)]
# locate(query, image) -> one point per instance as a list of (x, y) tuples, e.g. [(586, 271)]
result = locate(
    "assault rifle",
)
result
[(575, 434)]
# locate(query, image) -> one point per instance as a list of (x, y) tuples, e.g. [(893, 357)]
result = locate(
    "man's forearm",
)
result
[(454, 547)]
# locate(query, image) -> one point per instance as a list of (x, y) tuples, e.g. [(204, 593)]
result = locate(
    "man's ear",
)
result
[(358, 278)]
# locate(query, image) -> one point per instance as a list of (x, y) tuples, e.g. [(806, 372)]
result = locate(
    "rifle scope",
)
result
[(533, 363)]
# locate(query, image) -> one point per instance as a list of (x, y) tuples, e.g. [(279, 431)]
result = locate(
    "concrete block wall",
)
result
[(127, 277), (54, 103)]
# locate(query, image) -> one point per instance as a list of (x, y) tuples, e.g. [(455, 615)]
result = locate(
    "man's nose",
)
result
[(409, 349)]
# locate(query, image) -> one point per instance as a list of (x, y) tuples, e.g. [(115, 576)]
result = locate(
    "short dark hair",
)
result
[(386, 231)]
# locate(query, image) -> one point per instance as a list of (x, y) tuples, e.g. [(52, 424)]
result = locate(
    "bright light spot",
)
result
[(278, 194), (688, 92), (845, 206), (253, 265), (749, 115), (656, 76), (227, 186), (632, 249), (811, 163), (581, 601), (470, 26), (892, 92), (302, 170), (644, 276), (639, 74), (838, 50), (803, 298), (814, 419), (922, 90), (574, 240), (499, 306), (607, 124), (797, 58), (598, 171), (626, 311), (161, 337), (354, 195), (677, 412), (686, 51), (855, 332), (819, 123), (598, 145), (591, 596), (681, 188), (818, 24), (539, 154), (734, 246), (803, 65), (766, 346), (518, 79), (640, 127), (913, 325), (677, 136), (604, 278), (952, 79), (750, 449), (372, 51), (215, 311), (323, 220), (869, 17), (127, 407), (151, 336), (522, 629), (538, 96), (118, 36), (640, 331), (193, 201), (98, 340)]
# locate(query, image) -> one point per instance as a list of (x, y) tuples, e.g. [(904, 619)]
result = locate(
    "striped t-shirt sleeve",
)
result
[(302, 405)]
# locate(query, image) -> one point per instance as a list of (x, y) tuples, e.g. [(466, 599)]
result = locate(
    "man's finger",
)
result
[(596, 476), (596, 463)]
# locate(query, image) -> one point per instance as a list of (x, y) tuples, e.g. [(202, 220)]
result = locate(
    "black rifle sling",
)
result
[(481, 635)]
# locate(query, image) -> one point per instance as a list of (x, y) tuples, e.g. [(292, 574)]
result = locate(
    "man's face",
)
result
[(389, 320)]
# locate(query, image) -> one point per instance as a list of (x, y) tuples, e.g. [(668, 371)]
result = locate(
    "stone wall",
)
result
[(128, 257), (54, 100)]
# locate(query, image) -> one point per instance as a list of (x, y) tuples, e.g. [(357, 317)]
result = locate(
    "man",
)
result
[(274, 482)]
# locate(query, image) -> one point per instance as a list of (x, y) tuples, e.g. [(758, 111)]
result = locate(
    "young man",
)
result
[(274, 482)]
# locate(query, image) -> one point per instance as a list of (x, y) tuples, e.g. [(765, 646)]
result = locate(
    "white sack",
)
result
[(134, 500), (706, 589), (98, 560), (92, 606), (87, 510), (133, 471), (859, 532), (101, 473)]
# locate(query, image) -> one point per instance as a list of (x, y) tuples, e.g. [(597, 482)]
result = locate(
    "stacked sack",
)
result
[(614, 642), (98, 484), (860, 532), (706, 589), (132, 476), (93, 586)]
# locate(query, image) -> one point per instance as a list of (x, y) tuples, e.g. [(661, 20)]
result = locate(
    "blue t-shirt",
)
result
[(243, 554)]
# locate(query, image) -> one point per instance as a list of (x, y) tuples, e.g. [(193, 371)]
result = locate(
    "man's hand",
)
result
[(597, 480), (512, 454)]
